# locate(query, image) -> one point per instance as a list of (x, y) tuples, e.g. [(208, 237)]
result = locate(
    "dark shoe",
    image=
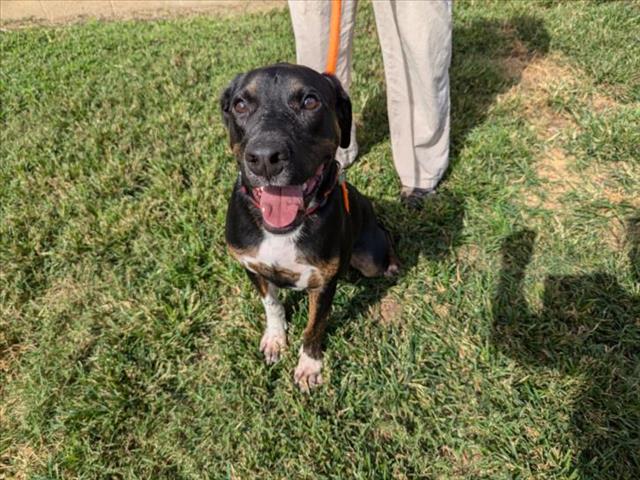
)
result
[(415, 197)]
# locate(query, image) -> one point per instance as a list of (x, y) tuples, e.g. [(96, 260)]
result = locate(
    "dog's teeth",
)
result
[(304, 186)]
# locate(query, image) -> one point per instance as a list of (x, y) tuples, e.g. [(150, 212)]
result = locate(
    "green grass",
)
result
[(508, 348)]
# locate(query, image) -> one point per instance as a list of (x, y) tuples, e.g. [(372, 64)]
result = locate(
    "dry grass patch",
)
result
[(390, 310), (9, 358), (80, 12), (605, 186), (539, 78), (65, 293), (554, 167), (616, 235), (544, 81), (19, 461), (469, 254)]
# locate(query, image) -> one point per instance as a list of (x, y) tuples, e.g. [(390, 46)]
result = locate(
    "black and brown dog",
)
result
[(291, 222)]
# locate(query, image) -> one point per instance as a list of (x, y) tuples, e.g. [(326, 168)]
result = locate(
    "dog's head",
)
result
[(285, 123)]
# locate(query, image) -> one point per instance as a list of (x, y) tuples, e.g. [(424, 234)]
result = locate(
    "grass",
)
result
[(508, 348)]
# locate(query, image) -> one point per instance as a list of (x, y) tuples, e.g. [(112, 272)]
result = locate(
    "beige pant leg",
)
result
[(416, 48), (310, 19)]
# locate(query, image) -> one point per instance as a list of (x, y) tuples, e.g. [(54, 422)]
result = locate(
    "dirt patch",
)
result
[(519, 57), (64, 294), (602, 103), (543, 82), (20, 460), (605, 185), (469, 253), (17, 460), (556, 168), (388, 311), (464, 463), (17, 14), (560, 176), (442, 310), (553, 166), (9, 358), (617, 234), (539, 80)]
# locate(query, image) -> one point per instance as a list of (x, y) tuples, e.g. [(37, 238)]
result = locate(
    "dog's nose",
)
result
[(266, 160)]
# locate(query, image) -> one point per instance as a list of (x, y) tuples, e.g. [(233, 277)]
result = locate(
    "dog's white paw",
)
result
[(308, 373), (272, 344)]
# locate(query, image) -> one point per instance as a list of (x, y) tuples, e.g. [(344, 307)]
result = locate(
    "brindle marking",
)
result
[(282, 277), (319, 307), (328, 270), (259, 282)]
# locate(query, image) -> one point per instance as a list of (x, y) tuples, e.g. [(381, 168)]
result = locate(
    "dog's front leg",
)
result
[(308, 373), (274, 339)]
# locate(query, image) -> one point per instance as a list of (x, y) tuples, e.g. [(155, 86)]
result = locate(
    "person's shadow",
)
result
[(587, 328), (431, 232), (488, 59)]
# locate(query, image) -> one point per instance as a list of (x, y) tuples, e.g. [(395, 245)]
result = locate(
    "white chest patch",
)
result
[(279, 252)]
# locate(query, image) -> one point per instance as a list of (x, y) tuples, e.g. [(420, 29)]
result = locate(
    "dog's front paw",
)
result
[(308, 373), (272, 343)]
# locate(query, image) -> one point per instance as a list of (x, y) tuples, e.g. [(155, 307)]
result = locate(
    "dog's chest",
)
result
[(278, 259)]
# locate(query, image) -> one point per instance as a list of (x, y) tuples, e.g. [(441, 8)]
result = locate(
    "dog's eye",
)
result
[(240, 106), (310, 102)]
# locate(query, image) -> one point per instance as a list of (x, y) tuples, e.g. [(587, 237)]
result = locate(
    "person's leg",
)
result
[(416, 47), (310, 20)]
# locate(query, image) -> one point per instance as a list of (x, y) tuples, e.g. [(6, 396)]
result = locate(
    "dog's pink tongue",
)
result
[(280, 205)]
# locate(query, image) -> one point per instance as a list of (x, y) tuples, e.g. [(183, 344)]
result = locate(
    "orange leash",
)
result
[(345, 195), (334, 37), (332, 62)]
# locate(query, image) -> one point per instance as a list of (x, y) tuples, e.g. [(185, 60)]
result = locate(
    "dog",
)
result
[(291, 222)]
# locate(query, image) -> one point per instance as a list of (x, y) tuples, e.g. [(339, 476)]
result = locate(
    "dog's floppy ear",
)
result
[(225, 99), (343, 110), (225, 107)]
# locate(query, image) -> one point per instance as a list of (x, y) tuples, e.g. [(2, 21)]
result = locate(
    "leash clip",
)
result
[(342, 175)]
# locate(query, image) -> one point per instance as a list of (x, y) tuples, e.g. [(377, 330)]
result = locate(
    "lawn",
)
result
[(509, 347)]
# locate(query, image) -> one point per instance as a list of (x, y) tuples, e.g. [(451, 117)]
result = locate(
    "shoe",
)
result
[(414, 197)]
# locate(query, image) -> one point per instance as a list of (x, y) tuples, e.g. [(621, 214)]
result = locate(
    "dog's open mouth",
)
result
[(280, 206)]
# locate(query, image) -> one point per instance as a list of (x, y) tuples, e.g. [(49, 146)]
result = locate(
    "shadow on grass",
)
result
[(431, 232), (587, 328), (488, 59)]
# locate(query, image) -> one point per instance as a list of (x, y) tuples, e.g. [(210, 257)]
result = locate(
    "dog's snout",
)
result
[(266, 159)]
